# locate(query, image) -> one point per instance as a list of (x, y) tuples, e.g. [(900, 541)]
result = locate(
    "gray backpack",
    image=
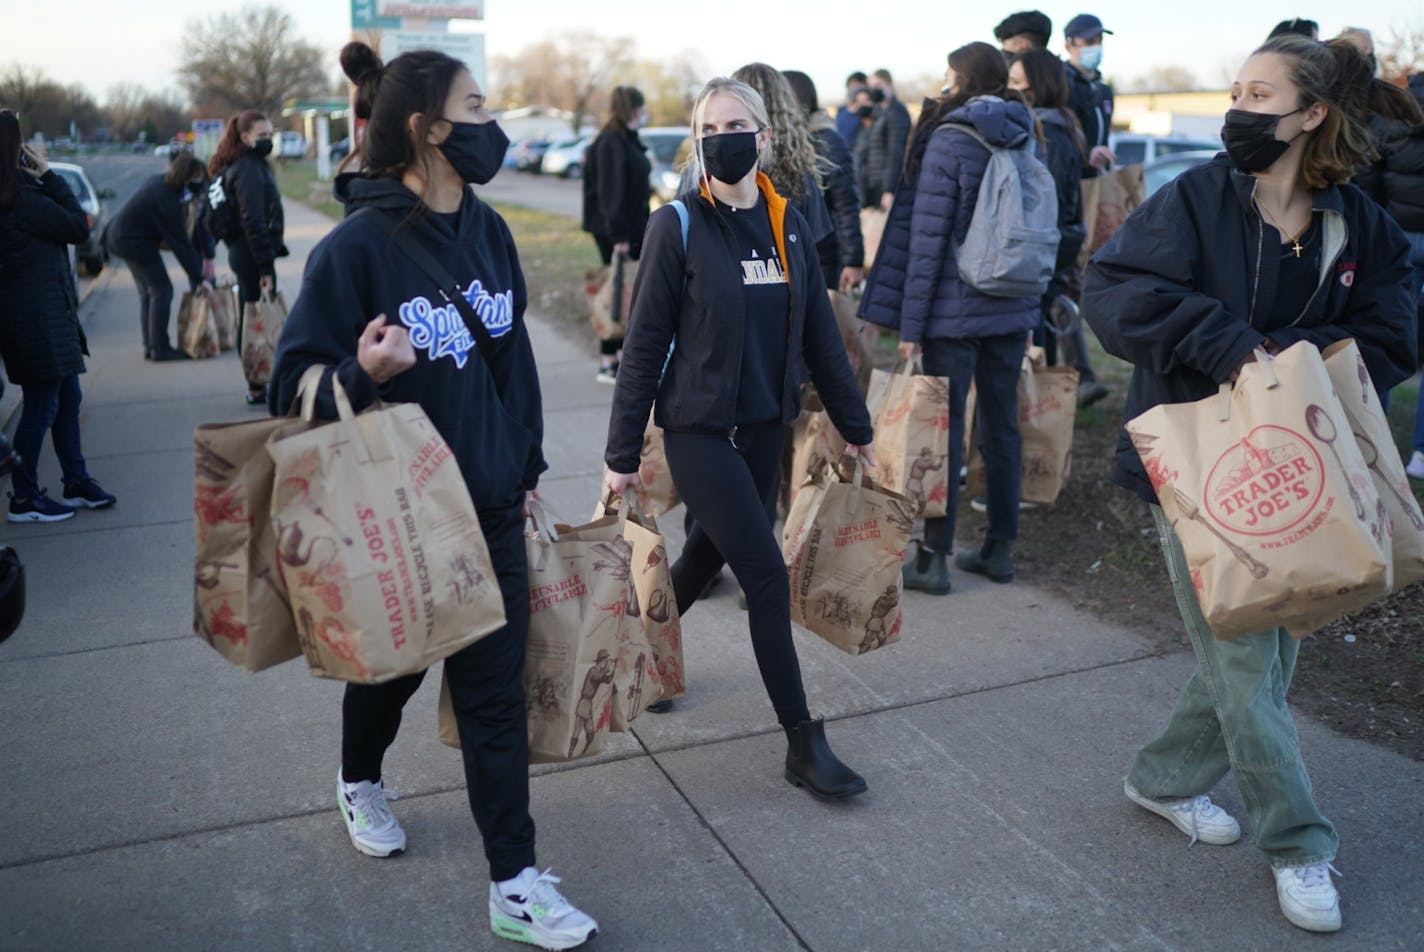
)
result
[(1012, 243)]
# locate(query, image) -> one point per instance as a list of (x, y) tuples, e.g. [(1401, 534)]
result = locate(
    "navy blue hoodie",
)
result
[(356, 273)]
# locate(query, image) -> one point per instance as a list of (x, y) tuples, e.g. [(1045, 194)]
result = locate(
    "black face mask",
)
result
[(877, 95), (475, 150), (730, 156), (262, 148), (1250, 138)]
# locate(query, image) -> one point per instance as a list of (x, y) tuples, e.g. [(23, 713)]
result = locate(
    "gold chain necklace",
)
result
[(1294, 239)]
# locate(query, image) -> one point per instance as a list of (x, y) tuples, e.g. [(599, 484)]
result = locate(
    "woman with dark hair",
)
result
[(1039, 76), (960, 332), (1259, 249), (740, 289), (41, 341), (374, 315), (842, 251), (245, 211), (152, 218), (616, 193)]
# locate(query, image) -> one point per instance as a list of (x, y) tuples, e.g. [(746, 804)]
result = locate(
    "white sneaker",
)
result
[(1415, 469), (529, 909), (1197, 817), (370, 823), (1308, 897)]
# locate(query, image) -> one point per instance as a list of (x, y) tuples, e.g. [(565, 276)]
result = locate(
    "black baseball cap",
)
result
[(1085, 26), (1031, 22)]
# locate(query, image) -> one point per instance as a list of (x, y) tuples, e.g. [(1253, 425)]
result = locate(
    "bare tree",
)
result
[(43, 104), (249, 60), (573, 71), (670, 86), (1164, 79), (1401, 52)]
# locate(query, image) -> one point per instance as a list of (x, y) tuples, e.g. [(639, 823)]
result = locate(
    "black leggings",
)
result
[(155, 295), (731, 493), (487, 691)]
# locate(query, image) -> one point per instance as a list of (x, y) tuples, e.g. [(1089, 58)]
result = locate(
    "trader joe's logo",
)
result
[(1266, 484)]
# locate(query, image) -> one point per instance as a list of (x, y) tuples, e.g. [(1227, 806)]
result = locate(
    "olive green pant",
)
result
[(1232, 715)]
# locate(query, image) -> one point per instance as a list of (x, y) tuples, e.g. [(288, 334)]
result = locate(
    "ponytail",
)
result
[(231, 146)]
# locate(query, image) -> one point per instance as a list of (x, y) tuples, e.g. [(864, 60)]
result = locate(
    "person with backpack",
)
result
[(963, 297), (842, 250), (1257, 250), (150, 220), (417, 296), (615, 195), (245, 211), (731, 275)]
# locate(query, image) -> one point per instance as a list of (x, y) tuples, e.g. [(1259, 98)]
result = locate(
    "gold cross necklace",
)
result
[(1294, 239)]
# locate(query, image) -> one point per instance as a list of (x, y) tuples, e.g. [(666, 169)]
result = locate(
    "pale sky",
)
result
[(98, 43)]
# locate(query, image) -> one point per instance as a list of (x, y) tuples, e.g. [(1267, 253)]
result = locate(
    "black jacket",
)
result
[(615, 186), (40, 337), (697, 298), (1182, 290), (356, 273), (1396, 179), (250, 183), (843, 247), (154, 215), (1065, 163), (1092, 102), (885, 143)]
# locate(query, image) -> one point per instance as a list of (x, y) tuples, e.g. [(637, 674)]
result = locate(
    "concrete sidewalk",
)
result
[(158, 798)]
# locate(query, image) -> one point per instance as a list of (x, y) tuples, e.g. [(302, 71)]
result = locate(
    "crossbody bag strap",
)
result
[(413, 249)]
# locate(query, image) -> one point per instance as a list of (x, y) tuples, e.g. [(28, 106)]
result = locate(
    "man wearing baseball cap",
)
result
[(1090, 97)]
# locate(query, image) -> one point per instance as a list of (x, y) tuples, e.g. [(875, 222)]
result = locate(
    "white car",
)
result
[(565, 159), (90, 252), (1132, 148)]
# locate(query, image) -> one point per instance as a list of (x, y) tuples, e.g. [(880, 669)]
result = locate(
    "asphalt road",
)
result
[(122, 173), (546, 193)]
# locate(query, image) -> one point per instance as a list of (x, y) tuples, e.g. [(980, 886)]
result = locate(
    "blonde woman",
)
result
[(743, 295)]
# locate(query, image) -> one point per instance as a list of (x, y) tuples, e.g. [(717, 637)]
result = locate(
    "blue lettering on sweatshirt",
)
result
[(440, 331)]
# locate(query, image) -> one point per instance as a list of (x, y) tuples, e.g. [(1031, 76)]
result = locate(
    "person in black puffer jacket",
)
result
[(1396, 181), (245, 211), (149, 220), (616, 193), (963, 333), (41, 341), (842, 251)]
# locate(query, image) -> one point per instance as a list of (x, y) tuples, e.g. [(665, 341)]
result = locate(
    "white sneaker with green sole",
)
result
[(529, 909), (372, 827)]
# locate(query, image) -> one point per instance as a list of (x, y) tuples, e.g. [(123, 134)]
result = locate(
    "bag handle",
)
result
[(1265, 361), (306, 391), (624, 505)]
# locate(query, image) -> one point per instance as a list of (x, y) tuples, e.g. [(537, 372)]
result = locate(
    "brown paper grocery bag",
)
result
[(240, 603), (911, 416), (197, 325), (580, 594), (659, 493), (1048, 403), (1376, 441), (872, 227), (657, 612), (379, 544), (261, 328), (815, 443), (1107, 201), (1267, 491), (611, 296), (843, 544), (224, 302), (854, 336)]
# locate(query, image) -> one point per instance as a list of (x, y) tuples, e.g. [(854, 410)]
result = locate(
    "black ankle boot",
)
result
[(165, 354), (995, 560), (810, 764), (927, 572)]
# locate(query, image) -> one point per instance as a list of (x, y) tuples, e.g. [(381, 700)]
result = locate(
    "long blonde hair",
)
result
[(793, 152), (747, 97)]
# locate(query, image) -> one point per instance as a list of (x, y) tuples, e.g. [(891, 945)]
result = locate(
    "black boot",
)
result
[(995, 560), (158, 340), (810, 764), (927, 571), (166, 353)]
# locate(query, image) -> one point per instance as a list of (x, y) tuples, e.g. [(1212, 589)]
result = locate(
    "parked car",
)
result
[(340, 149), (1160, 171), (1131, 148), (663, 144), (529, 155), (566, 159), (290, 145), (90, 253)]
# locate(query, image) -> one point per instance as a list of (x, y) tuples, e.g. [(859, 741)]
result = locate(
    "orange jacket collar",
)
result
[(775, 206)]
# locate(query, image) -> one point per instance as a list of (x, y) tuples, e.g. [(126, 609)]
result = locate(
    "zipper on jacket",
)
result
[(1325, 272), (732, 437), (1260, 250)]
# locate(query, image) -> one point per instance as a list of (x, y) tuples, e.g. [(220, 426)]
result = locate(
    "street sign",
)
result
[(206, 135), (468, 10), (468, 48), (364, 17)]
